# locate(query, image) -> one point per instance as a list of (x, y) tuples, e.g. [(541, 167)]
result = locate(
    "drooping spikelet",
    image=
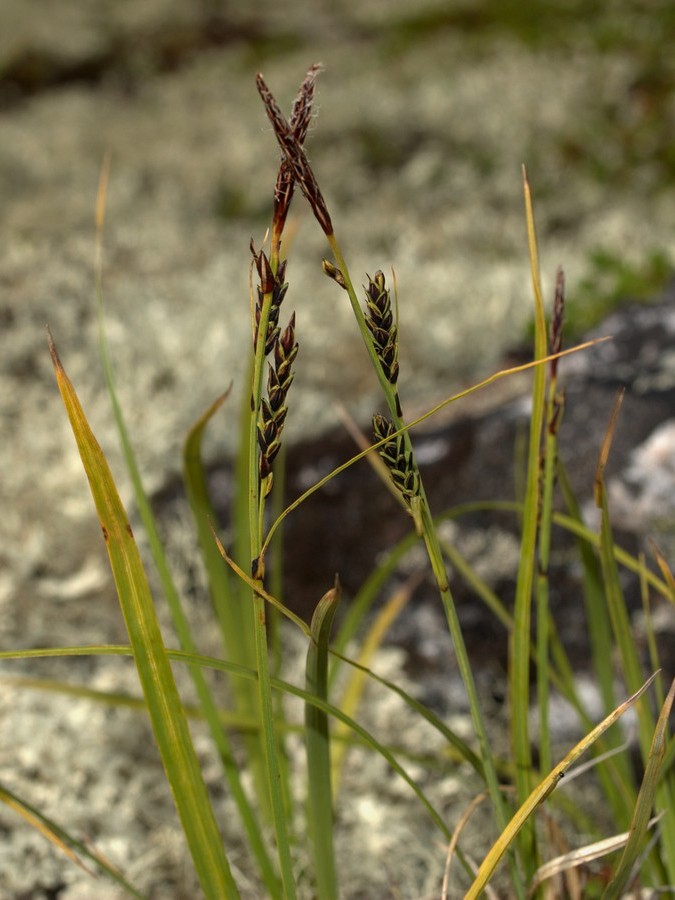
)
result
[(295, 156), (301, 115), (397, 459)]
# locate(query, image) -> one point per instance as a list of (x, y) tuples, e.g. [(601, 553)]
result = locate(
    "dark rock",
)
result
[(346, 526)]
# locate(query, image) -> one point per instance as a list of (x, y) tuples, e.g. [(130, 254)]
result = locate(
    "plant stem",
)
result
[(434, 552), (256, 516)]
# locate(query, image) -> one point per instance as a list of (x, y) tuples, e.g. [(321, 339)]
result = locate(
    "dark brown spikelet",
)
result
[(557, 318), (273, 409), (334, 273), (283, 194), (285, 351), (557, 321), (301, 116), (295, 155), (301, 112), (396, 458), (270, 283), (380, 322)]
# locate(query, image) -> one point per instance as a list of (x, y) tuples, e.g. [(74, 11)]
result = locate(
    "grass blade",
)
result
[(230, 615), (541, 792), (581, 856), (63, 840), (317, 738), (159, 687), (519, 656), (616, 604), (365, 738), (226, 607), (216, 570), (354, 688), (645, 801)]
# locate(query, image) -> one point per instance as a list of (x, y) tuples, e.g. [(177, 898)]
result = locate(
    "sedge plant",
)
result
[(250, 734)]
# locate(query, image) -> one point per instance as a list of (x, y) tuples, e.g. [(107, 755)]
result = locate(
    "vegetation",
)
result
[(252, 736)]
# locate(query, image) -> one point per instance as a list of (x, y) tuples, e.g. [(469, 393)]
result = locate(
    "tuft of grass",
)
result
[(287, 807)]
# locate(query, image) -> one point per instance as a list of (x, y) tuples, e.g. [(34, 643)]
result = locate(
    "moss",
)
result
[(612, 280)]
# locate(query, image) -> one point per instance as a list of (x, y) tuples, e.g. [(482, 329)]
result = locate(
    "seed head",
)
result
[(334, 273), (380, 322), (293, 152), (397, 459), (558, 318)]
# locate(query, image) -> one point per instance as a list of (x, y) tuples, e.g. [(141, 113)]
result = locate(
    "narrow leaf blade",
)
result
[(166, 711)]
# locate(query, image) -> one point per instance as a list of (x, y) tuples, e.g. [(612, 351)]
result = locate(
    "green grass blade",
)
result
[(230, 612), (597, 617), (317, 738), (645, 801), (241, 723), (233, 609), (164, 704), (366, 596), (64, 840), (618, 774), (354, 688), (541, 792), (375, 582), (579, 530), (240, 519), (337, 713), (365, 738), (464, 752), (654, 659), (554, 409), (275, 556), (486, 382), (519, 656), (615, 776), (630, 662), (216, 570), (616, 604), (222, 586), (424, 525)]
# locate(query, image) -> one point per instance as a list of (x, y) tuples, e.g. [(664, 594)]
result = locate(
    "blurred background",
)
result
[(426, 112)]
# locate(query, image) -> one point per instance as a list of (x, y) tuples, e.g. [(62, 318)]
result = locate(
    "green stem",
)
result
[(317, 737), (435, 555), (543, 614), (256, 514)]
